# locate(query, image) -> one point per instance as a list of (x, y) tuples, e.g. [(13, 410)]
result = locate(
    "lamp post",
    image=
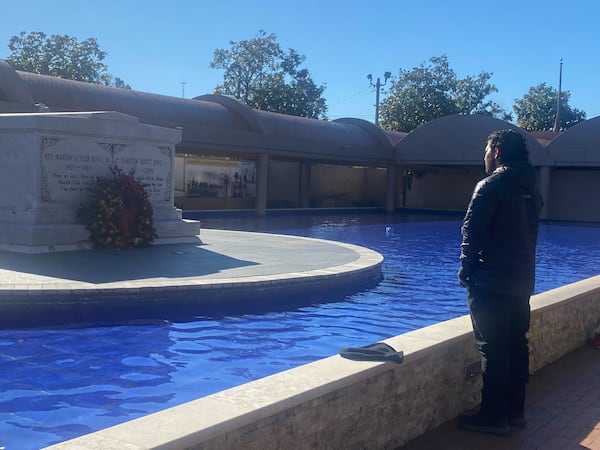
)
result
[(377, 87), (183, 83), (556, 127)]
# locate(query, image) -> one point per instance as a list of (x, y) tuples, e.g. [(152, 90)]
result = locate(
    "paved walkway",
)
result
[(562, 412)]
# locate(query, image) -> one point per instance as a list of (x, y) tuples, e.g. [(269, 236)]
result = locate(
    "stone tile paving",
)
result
[(563, 412)]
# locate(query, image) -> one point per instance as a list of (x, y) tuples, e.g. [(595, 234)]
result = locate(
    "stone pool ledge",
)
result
[(228, 267), (337, 403)]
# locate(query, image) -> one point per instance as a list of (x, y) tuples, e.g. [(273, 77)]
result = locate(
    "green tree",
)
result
[(536, 111), (433, 90), (471, 94), (61, 56), (259, 73)]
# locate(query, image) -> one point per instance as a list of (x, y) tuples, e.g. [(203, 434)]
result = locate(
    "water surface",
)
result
[(60, 383)]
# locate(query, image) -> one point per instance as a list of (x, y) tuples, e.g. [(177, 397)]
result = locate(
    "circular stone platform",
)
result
[(228, 269)]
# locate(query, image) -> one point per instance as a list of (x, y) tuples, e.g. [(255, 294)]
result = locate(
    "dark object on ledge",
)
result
[(373, 352)]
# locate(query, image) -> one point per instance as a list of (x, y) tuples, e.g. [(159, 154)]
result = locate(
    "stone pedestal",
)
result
[(48, 161)]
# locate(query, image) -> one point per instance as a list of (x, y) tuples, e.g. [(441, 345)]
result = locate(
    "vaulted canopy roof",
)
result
[(458, 140), (210, 124), (578, 145), (218, 125)]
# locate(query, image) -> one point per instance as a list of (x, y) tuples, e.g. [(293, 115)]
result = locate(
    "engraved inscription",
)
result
[(67, 174)]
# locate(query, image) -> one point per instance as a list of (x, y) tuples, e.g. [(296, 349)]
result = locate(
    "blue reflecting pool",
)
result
[(59, 383)]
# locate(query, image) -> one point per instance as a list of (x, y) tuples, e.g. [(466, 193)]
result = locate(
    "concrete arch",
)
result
[(216, 124), (578, 145), (67, 95), (321, 140), (12, 88), (458, 140), (385, 139), (246, 113)]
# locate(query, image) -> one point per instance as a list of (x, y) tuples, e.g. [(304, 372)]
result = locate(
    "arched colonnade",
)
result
[(438, 162)]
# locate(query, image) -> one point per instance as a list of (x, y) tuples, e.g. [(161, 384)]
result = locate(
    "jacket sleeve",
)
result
[(475, 229)]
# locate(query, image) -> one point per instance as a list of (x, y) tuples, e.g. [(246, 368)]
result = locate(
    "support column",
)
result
[(305, 184), (545, 176), (262, 178), (390, 194)]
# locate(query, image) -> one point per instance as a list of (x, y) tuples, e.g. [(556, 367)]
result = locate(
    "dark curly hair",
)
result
[(511, 143)]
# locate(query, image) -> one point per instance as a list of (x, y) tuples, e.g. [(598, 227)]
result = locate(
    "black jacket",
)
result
[(500, 231)]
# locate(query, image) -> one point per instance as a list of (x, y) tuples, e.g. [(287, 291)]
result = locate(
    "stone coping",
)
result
[(189, 424)]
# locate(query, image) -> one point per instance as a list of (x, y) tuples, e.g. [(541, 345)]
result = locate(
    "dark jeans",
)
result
[(500, 324)]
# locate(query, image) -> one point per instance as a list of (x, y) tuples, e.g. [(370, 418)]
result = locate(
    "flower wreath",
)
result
[(118, 213)]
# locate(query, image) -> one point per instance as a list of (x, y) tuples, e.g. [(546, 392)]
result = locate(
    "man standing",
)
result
[(497, 266)]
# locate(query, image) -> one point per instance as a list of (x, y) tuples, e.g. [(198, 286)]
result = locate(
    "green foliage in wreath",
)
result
[(118, 213)]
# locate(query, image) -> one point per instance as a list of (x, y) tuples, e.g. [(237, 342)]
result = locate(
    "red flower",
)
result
[(118, 213)]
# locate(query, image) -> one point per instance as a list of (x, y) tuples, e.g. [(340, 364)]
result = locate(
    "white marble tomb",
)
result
[(48, 160)]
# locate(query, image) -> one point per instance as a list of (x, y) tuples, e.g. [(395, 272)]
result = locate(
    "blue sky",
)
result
[(156, 45)]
